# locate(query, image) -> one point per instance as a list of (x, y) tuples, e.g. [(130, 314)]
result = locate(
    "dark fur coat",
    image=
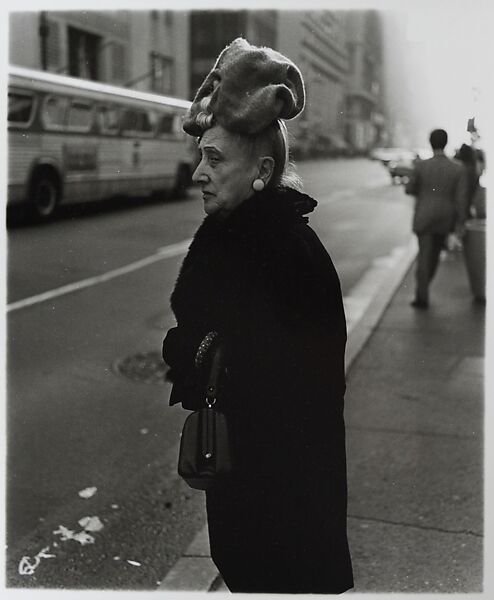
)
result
[(263, 281)]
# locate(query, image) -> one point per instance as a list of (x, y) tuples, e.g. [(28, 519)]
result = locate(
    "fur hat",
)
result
[(247, 90)]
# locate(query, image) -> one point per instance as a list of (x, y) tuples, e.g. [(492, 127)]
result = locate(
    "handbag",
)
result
[(205, 457)]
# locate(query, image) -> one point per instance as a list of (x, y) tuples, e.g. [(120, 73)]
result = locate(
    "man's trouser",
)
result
[(430, 246)]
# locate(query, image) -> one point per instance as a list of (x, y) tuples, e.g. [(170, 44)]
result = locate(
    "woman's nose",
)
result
[(199, 176)]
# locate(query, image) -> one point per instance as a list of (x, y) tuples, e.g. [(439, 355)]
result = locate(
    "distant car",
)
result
[(401, 169), (386, 155)]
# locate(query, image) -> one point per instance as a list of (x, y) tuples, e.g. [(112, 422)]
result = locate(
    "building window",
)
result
[(83, 54), (368, 74), (119, 71), (210, 32), (213, 30), (161, 73), (260, 28), (352, 63), (53, 54)]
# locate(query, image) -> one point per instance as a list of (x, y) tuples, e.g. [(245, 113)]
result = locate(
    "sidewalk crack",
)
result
[(415, 526)]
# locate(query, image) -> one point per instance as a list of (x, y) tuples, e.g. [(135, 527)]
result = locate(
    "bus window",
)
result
[(130, 121), (147, 122), (177, 125), (21, 109), (80, 116), (54, 112), (166, 124), (136, 122), (151, 121), (108, 119)]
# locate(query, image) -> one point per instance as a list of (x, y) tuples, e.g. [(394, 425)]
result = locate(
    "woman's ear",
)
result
[(266, 168)]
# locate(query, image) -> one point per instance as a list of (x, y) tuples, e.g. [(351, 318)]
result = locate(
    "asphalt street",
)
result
[(89, 430)]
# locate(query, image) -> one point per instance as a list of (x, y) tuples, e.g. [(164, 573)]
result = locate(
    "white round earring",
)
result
[(258, 185)]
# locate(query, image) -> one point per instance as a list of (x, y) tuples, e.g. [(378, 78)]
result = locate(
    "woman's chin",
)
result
[(210, 208), (213, 207)]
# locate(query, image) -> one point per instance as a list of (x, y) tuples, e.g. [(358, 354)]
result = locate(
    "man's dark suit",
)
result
[(439, 185)]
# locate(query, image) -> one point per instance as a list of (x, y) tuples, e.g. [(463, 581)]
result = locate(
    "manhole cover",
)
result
[(143, 367)]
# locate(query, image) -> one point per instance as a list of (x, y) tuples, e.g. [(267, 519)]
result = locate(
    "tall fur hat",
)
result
[(247, 90)]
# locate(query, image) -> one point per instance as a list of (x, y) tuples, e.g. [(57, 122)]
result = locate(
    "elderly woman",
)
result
[(258, 276)]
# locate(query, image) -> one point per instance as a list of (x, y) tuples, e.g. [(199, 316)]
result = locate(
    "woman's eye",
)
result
[(214, 160)]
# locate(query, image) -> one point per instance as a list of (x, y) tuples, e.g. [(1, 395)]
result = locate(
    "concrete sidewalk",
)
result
[(414, 414)]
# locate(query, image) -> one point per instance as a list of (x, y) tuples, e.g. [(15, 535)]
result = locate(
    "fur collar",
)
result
[(279, 207)]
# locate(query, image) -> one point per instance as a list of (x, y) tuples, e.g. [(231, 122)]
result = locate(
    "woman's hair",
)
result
[(204, 117), (272, 141)]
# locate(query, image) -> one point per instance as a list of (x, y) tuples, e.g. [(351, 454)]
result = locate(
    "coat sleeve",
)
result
[(179, 350)]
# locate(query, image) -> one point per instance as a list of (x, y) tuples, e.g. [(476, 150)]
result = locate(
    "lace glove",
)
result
[(204, 348)]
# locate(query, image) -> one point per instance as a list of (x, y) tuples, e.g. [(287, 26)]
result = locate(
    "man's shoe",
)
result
[(420, 304)]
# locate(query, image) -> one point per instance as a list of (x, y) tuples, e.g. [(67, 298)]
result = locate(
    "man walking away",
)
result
[(439, 185)]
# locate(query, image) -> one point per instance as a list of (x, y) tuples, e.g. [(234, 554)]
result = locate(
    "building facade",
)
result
[(145, 50), (365, 120), (211, 31), (170, 52), (315, 41)]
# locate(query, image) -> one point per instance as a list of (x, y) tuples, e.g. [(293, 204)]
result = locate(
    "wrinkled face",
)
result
[(226, 171)]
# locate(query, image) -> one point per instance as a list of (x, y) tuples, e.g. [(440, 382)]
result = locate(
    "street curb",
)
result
[(361, 331), (195, 571)]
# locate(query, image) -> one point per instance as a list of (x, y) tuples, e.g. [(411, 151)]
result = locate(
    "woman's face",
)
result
[(226, 171)]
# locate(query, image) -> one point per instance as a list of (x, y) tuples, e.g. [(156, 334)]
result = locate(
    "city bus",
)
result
[(74, 140)]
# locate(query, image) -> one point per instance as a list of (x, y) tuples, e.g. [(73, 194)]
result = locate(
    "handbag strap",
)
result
[(216, 365)]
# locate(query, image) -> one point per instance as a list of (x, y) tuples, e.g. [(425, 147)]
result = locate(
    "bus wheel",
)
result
[(182, 181), (44, 196)]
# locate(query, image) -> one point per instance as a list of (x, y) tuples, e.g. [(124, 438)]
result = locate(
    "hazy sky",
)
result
[(437, 65)]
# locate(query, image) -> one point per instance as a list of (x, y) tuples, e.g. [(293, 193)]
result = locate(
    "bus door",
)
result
[(173, 142), (111, 153), (80, 149), (68, 141), (138, 131)]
